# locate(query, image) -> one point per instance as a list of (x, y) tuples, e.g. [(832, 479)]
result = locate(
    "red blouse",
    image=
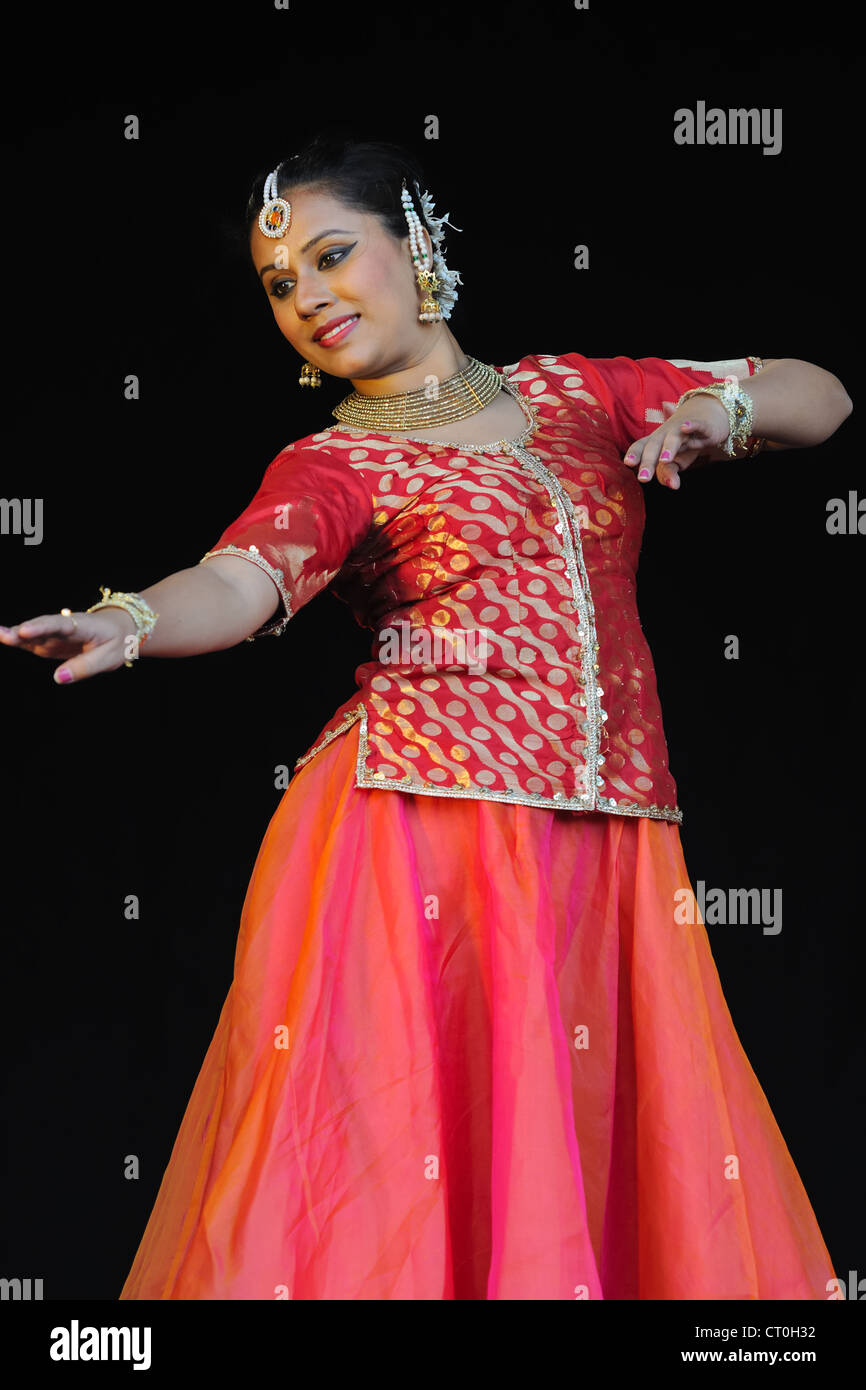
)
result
[(509, 662)]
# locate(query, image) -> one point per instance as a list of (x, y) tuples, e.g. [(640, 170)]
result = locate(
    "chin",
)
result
[(350, 364)]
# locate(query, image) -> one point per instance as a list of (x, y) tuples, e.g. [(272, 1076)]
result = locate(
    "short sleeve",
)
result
[(308, 515), (638, 394)]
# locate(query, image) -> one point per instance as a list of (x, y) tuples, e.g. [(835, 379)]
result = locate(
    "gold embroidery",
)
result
[(377, 781), (571, 522), (350, 719), (570, 536)]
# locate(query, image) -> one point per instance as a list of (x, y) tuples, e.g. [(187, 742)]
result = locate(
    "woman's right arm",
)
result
[(206, 608)]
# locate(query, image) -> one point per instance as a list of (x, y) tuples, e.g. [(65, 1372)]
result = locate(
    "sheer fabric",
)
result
[(469, 1053)]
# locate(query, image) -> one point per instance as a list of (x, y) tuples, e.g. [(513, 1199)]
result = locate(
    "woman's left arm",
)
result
[(795, 406)]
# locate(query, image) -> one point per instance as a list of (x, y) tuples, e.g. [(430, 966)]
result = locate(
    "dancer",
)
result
[(473, 1048)]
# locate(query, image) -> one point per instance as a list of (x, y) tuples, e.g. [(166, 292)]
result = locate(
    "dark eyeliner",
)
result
[(341, 251)]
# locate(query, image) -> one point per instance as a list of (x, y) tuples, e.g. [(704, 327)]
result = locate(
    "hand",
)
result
[(98, 640), (699, 424)]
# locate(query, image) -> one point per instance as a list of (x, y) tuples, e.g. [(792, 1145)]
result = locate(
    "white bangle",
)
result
[(740, 408)]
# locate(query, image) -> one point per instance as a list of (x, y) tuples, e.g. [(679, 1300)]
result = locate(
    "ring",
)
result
[(67, 613)]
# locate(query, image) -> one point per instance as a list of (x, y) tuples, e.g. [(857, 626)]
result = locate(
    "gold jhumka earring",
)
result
[(310, 375)]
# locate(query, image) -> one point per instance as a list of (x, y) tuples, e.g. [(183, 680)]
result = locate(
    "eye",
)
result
[(280, 288), (340, 252)]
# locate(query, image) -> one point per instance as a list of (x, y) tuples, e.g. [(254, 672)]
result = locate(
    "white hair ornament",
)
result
[(275, 217), (439, 282)]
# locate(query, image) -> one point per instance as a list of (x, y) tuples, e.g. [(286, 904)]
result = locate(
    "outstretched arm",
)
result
[(796, 405), (205, 608), (209, 606)]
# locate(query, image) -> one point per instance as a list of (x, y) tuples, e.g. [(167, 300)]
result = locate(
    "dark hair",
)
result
[(364, 174)]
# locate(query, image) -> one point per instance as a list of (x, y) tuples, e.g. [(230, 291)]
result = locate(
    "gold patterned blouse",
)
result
[(508, 660)]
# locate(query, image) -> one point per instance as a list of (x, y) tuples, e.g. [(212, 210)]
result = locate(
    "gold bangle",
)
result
[(137, 607)]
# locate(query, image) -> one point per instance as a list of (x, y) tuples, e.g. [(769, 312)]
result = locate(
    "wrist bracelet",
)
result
[(740, 407), (137, 607)]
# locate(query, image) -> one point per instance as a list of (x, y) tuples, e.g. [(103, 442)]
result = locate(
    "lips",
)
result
[(332, 326)]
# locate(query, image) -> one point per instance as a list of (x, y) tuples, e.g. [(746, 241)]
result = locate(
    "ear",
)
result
[(428, 242)]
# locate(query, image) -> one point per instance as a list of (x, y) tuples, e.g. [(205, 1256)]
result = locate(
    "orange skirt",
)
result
[(468, 1053)]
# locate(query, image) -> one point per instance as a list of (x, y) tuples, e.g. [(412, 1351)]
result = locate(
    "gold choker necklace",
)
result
[(459, 396)]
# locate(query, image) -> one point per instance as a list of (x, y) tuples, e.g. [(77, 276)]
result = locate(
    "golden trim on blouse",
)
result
[(351, 718), (589, 797), (589, 800), (377, 781), (252, 552)]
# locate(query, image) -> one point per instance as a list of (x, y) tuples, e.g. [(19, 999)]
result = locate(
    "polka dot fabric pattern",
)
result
[(500, 580)]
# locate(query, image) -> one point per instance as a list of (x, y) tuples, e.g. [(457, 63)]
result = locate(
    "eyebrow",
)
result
[(306, 247)]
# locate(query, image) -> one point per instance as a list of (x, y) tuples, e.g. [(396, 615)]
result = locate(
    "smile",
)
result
[(341, 330)]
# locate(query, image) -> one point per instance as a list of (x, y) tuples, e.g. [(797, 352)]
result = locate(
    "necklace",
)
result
[(461, 395)]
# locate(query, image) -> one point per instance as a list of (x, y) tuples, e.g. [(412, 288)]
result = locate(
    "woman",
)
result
[(473, 1047)]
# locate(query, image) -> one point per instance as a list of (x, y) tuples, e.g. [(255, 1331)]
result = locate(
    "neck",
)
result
[(442, 357)]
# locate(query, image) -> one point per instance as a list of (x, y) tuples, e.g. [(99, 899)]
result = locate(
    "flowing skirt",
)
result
[(468, 1053)]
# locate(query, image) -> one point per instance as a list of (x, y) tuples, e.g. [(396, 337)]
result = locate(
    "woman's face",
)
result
[(334, 262)]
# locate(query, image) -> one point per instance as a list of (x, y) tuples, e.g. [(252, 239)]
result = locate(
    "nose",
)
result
[(311, 295)]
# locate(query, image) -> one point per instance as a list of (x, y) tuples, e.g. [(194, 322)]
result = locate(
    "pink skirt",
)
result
[(468, 1053)]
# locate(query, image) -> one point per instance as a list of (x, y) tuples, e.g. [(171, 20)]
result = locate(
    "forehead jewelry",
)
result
[(275, 217)]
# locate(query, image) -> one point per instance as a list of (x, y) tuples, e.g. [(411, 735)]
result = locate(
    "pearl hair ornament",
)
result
[(275, 217), (437, 279)]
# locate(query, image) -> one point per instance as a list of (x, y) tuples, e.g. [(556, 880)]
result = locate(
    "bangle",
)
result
[(739, 406), (137, 607)]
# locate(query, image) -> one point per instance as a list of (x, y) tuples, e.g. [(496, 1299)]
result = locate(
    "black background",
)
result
[(555, 129)]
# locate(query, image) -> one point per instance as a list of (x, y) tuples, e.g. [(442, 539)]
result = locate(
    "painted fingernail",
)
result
[(665, 454), (629, 458), (687, 424), (644, 474), (63, 676)]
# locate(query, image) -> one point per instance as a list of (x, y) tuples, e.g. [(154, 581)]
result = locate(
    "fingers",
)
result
[(663, 453), (84, 645), (653, 458), (92, 661), (40, 629)]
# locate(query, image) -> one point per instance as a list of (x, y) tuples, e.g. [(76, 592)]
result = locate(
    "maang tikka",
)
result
[(275, 218), (436, 280)]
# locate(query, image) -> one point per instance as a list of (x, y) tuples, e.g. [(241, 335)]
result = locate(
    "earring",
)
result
[(310, 375), (430, 311), (426, 278)]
